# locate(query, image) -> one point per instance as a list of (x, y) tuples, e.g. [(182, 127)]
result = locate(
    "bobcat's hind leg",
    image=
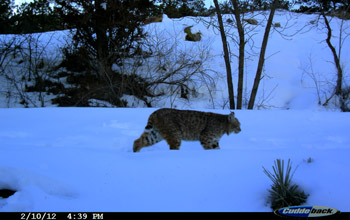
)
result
[(173, 140), (174, 143), (171, 133)]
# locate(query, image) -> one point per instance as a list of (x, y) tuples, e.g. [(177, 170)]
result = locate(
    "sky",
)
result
[(207, 2), (18, 2)]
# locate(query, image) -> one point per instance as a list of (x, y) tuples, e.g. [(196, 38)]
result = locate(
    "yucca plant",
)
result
[(283, 192)]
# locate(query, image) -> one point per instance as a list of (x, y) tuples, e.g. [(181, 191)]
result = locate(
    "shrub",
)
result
[(283, 192), (345, 99)]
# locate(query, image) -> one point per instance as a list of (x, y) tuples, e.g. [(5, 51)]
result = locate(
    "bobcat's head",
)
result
[(233, 125)]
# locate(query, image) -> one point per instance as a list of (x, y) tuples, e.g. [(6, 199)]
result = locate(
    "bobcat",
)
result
[(176, 125)]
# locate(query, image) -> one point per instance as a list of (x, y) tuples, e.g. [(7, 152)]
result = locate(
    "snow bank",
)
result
[(81, 159), (295, 49)]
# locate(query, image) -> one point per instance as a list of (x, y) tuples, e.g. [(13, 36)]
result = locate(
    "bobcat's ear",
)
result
[(231, 116)]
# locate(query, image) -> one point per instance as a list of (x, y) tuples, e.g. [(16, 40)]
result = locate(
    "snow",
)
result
[(81, 159), (297, 56)]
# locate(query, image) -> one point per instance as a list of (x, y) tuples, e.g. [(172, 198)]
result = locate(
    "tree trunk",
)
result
[(226, 56), (101, 39), (241, 53), (262, 57), (103, 54), (338, 87)]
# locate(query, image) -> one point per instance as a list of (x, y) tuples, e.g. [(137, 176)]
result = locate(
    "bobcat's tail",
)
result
[(149, 137)]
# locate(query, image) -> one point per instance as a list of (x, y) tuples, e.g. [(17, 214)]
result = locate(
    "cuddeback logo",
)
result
[(306, 211)]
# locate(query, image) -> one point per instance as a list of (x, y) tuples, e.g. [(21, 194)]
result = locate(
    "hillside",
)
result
[(299, 69)]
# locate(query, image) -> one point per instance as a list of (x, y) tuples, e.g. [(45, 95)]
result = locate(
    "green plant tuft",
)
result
[(283, 192)]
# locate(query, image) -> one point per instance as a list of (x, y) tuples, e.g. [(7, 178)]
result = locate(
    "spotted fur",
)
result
[(176, 125)]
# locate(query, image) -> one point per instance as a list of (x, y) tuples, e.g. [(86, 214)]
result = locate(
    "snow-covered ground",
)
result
[(81, 159)]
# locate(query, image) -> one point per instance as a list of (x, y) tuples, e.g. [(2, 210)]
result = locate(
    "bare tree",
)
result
[(262, 56), (226, 56), (338, 90), (25, 66), (246, 31), (338, 87), (242, 43)]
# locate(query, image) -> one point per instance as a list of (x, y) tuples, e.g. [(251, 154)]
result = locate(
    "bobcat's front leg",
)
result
[(209, 142), (211, 145)]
